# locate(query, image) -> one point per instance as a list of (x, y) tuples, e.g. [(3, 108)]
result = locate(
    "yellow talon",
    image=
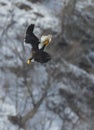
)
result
[(28, 61)]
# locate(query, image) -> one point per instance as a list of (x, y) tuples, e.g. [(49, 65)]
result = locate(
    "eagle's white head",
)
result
[(45, 40)]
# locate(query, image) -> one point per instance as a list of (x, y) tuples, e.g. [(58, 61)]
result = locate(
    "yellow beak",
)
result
[(46, 42), (28, 61)]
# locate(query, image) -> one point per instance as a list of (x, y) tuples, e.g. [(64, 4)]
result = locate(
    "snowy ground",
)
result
[(18, 15), (71, 89)]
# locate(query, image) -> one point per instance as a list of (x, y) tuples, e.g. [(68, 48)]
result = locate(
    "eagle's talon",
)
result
[(28, 61)]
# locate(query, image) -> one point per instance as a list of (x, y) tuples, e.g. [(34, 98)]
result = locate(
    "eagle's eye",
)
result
[(46, 42), (28, 61)]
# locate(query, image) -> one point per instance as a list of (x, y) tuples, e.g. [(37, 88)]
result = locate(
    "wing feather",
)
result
[(31, 38)]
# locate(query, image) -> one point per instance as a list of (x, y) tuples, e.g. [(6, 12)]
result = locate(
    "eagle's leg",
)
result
[(29, 60)]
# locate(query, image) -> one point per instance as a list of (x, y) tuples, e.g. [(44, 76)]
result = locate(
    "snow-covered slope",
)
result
[(70, 90)]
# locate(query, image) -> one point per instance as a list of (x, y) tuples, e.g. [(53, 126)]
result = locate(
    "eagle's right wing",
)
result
[(30, 29), (30, 37)]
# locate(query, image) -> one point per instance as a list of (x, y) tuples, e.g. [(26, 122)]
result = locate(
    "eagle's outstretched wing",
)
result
[(30, 37)]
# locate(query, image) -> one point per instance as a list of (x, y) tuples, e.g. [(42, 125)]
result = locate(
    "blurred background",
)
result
[(58, 95)]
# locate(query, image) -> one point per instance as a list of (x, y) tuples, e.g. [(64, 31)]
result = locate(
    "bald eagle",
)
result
[(37, 54)]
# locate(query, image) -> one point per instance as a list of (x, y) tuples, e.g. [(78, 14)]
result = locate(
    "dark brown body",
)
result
[(40, 56)]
